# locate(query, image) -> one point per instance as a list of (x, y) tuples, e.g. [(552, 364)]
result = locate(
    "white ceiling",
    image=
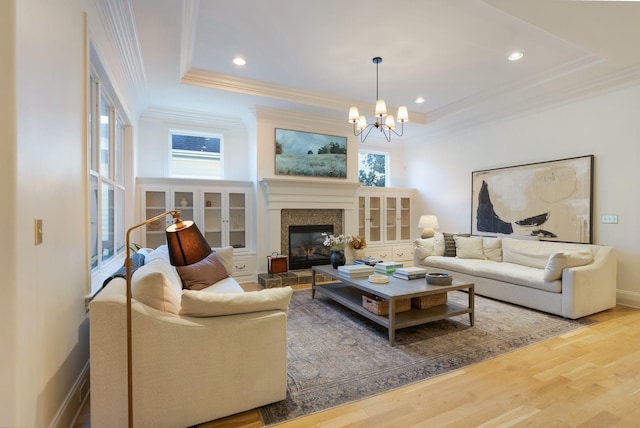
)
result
[(316, 56)]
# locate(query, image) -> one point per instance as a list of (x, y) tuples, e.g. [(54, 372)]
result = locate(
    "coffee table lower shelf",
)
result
[(351, 297)]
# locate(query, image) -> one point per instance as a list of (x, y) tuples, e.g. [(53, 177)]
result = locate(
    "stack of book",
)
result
[(410, 273), (388, 267), (355, 271), (370, 261)]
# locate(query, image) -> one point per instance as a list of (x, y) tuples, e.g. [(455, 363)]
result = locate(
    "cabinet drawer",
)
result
[(243, 267), (381, 253), (403, 253)]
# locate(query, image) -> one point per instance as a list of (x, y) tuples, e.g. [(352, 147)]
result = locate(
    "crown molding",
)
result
[(193, 116), (224, 82), (119, 22), (189, 27)]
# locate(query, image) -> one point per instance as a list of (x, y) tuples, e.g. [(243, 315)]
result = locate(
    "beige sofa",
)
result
[(197, 355), (571, 280)]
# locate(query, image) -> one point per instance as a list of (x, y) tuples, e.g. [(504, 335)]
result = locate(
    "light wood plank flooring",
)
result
[(586, 378)]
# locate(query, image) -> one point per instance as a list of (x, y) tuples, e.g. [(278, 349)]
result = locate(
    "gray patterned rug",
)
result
[(336, 356)]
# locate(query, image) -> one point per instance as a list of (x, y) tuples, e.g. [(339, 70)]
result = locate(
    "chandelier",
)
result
[(362, 129)]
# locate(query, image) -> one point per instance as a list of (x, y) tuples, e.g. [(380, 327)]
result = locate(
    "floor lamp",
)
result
[(186, 246)]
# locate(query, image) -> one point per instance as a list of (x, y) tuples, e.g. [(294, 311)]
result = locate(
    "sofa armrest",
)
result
[(590, 288), (185, 370)]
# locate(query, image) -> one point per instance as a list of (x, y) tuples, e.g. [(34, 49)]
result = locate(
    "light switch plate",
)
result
[(37, 232), (610, 219)]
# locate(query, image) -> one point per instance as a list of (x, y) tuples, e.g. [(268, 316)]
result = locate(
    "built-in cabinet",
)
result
[(385, 219), (222, 210)]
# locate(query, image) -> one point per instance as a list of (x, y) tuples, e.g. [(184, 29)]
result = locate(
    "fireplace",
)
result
[(305, 246)]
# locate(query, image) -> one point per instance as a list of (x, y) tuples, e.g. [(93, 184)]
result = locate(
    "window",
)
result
[(106, 176), (373, 168), (196, 155)]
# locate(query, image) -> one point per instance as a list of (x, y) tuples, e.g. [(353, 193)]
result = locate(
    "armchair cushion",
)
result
[(158, 285), (199, 304), (202, 274)]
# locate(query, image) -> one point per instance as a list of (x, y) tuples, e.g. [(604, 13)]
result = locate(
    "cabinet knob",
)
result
[(240, 267)]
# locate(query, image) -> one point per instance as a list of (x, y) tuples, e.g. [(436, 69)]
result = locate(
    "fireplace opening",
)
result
[(306, 248)]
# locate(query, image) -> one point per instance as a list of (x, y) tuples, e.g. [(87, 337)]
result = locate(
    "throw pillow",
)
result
[(492, 248), (225, 254), (450, 243), (202, 274), (565, 259), (197, 304), (469, 248), (157, 284), (424, 247), (438, 244)]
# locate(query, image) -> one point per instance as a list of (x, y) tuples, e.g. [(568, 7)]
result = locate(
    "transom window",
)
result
[(373, 168), (196, 155)]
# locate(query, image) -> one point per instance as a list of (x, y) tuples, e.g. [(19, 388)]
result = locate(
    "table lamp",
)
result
[(186, 246), (428, 223)]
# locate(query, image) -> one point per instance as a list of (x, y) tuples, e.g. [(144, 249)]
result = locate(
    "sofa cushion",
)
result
[(203, 273), (227, 285), (224, 253), (565, 259), (450, 243), (492, 248), (158, 285), (525, 253), (518, 274), (424, 247), (438, 244), (454, 264), (469, 247), (198, 304)]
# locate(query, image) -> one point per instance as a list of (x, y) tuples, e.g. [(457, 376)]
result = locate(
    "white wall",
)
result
[(606, 126), (154, 147), (44, 347)]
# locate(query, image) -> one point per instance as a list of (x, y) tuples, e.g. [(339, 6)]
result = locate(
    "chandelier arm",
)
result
[(363, 137), (387, 135), (401, 130)]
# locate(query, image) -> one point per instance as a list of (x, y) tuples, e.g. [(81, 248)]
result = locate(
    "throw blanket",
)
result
[(137, 260)]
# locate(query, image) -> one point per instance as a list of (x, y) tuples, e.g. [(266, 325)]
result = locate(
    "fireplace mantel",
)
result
[(313, 193)]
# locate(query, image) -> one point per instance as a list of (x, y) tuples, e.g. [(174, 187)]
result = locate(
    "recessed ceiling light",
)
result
[(239, 61), (420, 100), (514, 56)]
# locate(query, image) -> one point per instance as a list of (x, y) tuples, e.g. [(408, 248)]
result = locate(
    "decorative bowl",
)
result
[(439, 278)]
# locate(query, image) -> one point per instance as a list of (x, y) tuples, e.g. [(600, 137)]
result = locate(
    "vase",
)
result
[(337, 259)]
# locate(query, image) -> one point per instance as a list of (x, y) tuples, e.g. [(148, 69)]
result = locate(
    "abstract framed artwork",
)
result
[(550, 200), (308, 154)]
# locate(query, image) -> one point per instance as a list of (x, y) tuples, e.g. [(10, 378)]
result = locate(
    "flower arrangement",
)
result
[(358, 242), (336, 243)]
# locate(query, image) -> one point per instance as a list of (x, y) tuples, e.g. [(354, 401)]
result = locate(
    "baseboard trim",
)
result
[(74, 401), (628, 298)]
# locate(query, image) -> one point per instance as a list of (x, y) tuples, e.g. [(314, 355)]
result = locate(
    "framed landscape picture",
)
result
[(550, 200), (311, 155)]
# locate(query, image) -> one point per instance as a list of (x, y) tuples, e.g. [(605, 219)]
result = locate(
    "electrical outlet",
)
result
[(610, 219)]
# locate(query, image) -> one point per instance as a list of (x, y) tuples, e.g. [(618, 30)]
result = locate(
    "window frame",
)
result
[(102, 264), (387, 156)]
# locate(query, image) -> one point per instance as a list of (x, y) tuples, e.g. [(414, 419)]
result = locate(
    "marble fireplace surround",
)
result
[(309, 201)]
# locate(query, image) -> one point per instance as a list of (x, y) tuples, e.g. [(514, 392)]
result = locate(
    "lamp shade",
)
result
[(354, 116), (186, 244), (428, 221)]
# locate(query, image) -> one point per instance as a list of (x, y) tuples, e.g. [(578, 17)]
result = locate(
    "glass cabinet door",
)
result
[(183, 201), (362, 217), (237, 220), (375, 215), (405, 218), (155, 204), (391, 219), (213, 218)]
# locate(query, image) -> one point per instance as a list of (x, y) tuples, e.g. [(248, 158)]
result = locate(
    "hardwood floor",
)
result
[(586, 378)]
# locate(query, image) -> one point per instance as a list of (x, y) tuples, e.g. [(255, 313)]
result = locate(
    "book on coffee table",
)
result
[(388, 267), (355, 271), (410, 273)]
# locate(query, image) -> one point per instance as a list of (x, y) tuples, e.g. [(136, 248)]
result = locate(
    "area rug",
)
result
[(336, 356)]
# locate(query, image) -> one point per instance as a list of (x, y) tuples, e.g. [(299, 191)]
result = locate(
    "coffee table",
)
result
[(348, 292)]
